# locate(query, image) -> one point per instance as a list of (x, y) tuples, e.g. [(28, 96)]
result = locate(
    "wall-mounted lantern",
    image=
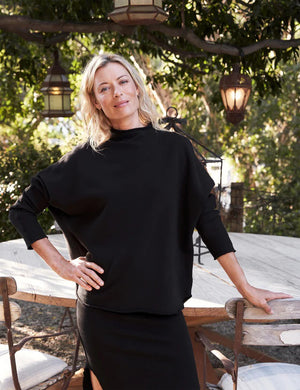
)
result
[(137, 12), (235, 91), (57, 91)]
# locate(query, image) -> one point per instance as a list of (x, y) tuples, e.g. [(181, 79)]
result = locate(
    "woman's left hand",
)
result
[(260, 297), (257, 296)]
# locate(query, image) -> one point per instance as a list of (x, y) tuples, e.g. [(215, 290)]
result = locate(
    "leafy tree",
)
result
[(21, 158), (198, 38), (267, 153), (184, 59)]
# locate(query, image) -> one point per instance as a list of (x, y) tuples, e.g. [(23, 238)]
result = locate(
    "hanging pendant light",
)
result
[(57, 91), (235, 91), (137, 12)]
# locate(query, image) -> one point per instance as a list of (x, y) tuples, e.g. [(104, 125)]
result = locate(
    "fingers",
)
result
[(266, 308), (260, 298), (282, 296), (86, 274), (270, 296), (95, 267)]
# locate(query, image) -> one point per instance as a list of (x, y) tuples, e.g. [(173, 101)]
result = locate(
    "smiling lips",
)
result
[(121, 104)]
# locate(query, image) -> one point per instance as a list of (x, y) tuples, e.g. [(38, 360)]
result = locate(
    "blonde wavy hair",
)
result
[(97, 125)]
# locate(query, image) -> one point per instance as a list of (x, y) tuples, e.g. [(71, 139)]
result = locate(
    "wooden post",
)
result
[(236, 208)]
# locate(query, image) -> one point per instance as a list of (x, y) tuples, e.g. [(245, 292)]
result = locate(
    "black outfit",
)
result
[(132, 208)]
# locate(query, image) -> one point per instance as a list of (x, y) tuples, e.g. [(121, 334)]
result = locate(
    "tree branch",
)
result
[(173, 49), (39, 38), (24, 25)]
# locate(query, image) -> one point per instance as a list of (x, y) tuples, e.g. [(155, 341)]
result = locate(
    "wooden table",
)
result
[(269, 262), (37, 282)]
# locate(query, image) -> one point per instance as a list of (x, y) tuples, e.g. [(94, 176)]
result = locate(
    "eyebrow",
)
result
[(105, 82)]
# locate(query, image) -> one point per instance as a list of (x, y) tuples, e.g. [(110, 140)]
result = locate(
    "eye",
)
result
[(124, 81), (104, 89)]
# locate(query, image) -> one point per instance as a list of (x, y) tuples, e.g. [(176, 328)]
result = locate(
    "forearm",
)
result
[(50, 255), (235, 272), (79, 270), (258, 297)]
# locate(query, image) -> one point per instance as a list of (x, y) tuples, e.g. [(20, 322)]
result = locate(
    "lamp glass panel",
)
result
[(223, 96), (142, 16), (239, 97), (230, 98), (158, 3), (121, 3), (141, 2), (55, 102), (119, 17), (46, 102), (67, 102)]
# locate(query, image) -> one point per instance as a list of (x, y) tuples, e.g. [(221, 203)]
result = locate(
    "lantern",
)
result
[(136, 12), (235, 91), (57, 91)]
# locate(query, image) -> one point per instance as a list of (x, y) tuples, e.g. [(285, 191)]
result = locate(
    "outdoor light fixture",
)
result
[(57, 91), (235, 91), (136, 12)]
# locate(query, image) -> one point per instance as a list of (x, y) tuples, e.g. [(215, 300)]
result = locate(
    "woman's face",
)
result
[(117, 96)]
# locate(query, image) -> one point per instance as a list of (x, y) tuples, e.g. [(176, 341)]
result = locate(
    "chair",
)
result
[(22, 368), (255, 327)]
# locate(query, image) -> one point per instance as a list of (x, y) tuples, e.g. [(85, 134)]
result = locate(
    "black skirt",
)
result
[(137, 351)]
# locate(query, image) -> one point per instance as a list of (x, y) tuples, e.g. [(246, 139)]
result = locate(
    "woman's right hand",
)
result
[(80, 270), (83, 272)]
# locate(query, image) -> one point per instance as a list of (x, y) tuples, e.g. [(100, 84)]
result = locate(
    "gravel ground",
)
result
[(38, 318)]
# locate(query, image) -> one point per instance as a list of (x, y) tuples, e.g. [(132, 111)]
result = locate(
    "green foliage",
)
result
[(267, 151), (21, 158), (237, 23), (265, 146)]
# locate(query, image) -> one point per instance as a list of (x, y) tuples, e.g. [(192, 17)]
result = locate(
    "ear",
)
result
[(96, 104)]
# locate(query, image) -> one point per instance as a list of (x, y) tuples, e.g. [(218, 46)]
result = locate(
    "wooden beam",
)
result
[(283, 309), (279, 334), (15, 311)]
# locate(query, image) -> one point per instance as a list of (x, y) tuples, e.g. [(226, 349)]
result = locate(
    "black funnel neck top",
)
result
[(121, 134), (132, 209)]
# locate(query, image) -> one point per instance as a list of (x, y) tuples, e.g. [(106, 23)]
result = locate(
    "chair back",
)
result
[(33, 366), (253, 326), (255, 331), (9, 312)]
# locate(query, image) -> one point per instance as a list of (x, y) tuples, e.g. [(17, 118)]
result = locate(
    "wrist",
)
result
[(59, 262), (244, 288)]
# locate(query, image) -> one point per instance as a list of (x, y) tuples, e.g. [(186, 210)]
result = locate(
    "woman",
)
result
[(128, 201)]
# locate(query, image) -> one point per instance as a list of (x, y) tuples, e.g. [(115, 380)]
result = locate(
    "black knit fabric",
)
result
[(131, 208)]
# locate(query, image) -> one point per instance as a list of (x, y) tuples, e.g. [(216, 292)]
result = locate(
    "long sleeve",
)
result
[(212, 230), (202, 203), (23, 214)]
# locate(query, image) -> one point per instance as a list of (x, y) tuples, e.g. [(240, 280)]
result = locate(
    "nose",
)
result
[(117, 91)]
